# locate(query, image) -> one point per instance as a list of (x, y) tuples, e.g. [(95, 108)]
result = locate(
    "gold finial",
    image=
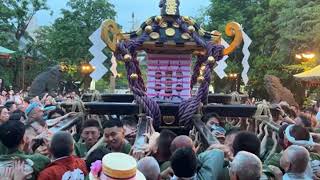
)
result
[(200, 79), (171, 7), (185, 36), (134, 76), (164, 24), (216, 37), (185, 18), (149, 21), (211, 60), (175, 24), (148, 29), (201, 32), (203, 67), (188, 20), (158, 19), (191, 29), (127, 58), (170, 32), (191, 22), (215, 33), (154, 35)]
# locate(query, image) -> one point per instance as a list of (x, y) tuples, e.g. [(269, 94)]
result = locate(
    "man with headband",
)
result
[(295, 135)]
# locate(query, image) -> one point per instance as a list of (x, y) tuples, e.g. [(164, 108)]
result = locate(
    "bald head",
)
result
[(181, 142), (295, 159), (149, 167), (245, 166), (61, 144)]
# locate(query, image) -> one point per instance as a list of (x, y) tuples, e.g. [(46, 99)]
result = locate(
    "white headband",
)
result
[(291, 139)]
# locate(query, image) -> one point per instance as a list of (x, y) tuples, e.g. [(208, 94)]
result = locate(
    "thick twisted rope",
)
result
[(263, 112), (150, 107), (189, 107), (78, 104), (196, 70), (137, 85)]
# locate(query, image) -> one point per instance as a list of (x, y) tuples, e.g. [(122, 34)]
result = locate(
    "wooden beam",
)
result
[(225, 98), (66, 123), (230, 110), (212, 98), (169, 109), (110, 98), (107, 108)]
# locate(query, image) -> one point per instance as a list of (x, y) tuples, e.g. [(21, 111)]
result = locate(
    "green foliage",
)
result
[(67, 39), (301, 67), (279, 30), (121, 80), (15, 17), (101, 85)]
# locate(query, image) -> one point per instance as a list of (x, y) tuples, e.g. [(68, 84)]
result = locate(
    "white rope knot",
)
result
[(235, 98), (96, 96), (78, 104), (263, 112)]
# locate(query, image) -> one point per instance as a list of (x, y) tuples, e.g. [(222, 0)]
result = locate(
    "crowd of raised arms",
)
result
[(30, 149)]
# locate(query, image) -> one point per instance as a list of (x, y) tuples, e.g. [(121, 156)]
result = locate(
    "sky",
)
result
[(142, 10)]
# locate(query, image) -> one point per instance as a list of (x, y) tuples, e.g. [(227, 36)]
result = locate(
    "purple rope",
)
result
[(196, 70), (137, 86), (201, 59), (150, 107), (138, 71), (188, 108)]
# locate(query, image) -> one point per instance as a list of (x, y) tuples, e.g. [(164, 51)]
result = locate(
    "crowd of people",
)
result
[(103, 147)]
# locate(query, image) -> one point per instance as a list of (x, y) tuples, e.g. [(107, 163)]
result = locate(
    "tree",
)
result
[(15, 17), (250, 14), (298, 26), (67, 39), (264, 53), (279, 29)]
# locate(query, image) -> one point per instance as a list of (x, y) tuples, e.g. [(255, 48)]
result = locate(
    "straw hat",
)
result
[(119, 166)]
